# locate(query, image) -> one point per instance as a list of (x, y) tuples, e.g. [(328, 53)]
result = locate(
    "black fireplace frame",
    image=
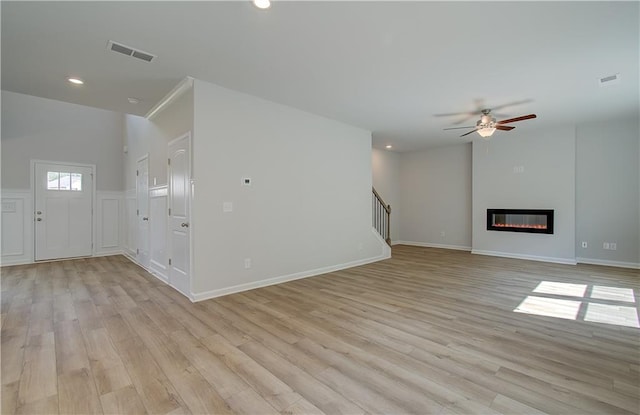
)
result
[(549, 213)]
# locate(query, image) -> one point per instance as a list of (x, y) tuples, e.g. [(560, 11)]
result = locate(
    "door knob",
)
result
[(39, 219), (184, 225), (39, 213), (145, 218)]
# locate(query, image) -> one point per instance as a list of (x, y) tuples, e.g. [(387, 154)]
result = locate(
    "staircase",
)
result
[(381, 217)]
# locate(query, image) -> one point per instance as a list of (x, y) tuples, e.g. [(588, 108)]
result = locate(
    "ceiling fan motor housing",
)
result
[(486, 121)]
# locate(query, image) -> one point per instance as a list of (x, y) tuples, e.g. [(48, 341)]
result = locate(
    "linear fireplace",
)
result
[(520, 220)]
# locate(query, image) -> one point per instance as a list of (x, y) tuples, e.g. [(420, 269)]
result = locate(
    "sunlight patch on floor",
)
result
[(550, 307), (612, 314), (613, 293), (561, 288), (599, 301)]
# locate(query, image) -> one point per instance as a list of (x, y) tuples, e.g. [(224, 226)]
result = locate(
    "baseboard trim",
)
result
[(158, 270), (131, 258), (109, 253), (206, 295), (555, 260), (608, 263), (430, 245), (12, 262)]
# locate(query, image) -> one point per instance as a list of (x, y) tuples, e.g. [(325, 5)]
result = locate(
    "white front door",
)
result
[(63, 210), (180, 214), (142, 212)]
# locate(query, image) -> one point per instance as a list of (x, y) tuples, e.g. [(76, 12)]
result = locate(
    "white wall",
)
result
[(386, 180), (142, 136), (547, 182), (308, 209), (151, 137), (39, 128), (598, 162), (435, 189), (607, 191)]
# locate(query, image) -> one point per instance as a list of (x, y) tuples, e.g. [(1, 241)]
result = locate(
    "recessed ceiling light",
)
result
[(389, 146), (262, 4), (75, 81), (133, 100)]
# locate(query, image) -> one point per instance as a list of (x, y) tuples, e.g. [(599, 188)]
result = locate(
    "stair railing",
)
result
[(381, 217)]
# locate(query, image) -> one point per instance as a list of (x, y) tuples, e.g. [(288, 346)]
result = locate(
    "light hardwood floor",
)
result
[(429, 331)]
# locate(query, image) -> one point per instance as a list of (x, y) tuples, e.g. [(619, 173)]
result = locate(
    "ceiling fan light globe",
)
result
[(486, 132), (262, 4)]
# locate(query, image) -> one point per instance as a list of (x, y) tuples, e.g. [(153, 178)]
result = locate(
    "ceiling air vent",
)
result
[(609, 80), (129, 51)]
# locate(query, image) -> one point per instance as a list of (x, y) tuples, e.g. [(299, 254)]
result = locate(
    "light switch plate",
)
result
[(227, 207)]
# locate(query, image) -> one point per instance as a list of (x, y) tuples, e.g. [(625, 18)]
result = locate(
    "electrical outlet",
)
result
[(584, 244), (605, 245), (442, 233), (247, 263), (613, 246)]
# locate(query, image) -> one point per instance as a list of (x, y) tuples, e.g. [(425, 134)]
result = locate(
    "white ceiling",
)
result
[(388, 67)]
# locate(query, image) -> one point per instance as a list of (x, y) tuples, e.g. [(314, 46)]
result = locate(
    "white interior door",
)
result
[(180, 214), (63, 211), (142, 212)]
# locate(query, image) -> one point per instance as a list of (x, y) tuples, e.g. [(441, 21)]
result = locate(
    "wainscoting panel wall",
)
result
[(130, 244), (109, 225), (17, 225), (158, 228)]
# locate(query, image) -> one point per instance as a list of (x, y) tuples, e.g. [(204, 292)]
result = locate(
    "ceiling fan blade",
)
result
[(504, 127), (458, 128), (451, 114), (466, 118), (510, 120), (472, 131), (524, 101)]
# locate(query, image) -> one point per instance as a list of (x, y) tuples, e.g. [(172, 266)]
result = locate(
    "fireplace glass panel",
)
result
[(520, 220)]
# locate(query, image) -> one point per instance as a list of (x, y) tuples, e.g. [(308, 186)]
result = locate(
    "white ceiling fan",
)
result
[(487, 124)]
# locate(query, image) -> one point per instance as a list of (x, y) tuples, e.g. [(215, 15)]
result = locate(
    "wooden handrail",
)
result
[(386, 207), (382, 221)]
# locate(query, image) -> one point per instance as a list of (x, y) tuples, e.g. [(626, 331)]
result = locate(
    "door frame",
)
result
[(186, 135), (146, 156), (32, 167)]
